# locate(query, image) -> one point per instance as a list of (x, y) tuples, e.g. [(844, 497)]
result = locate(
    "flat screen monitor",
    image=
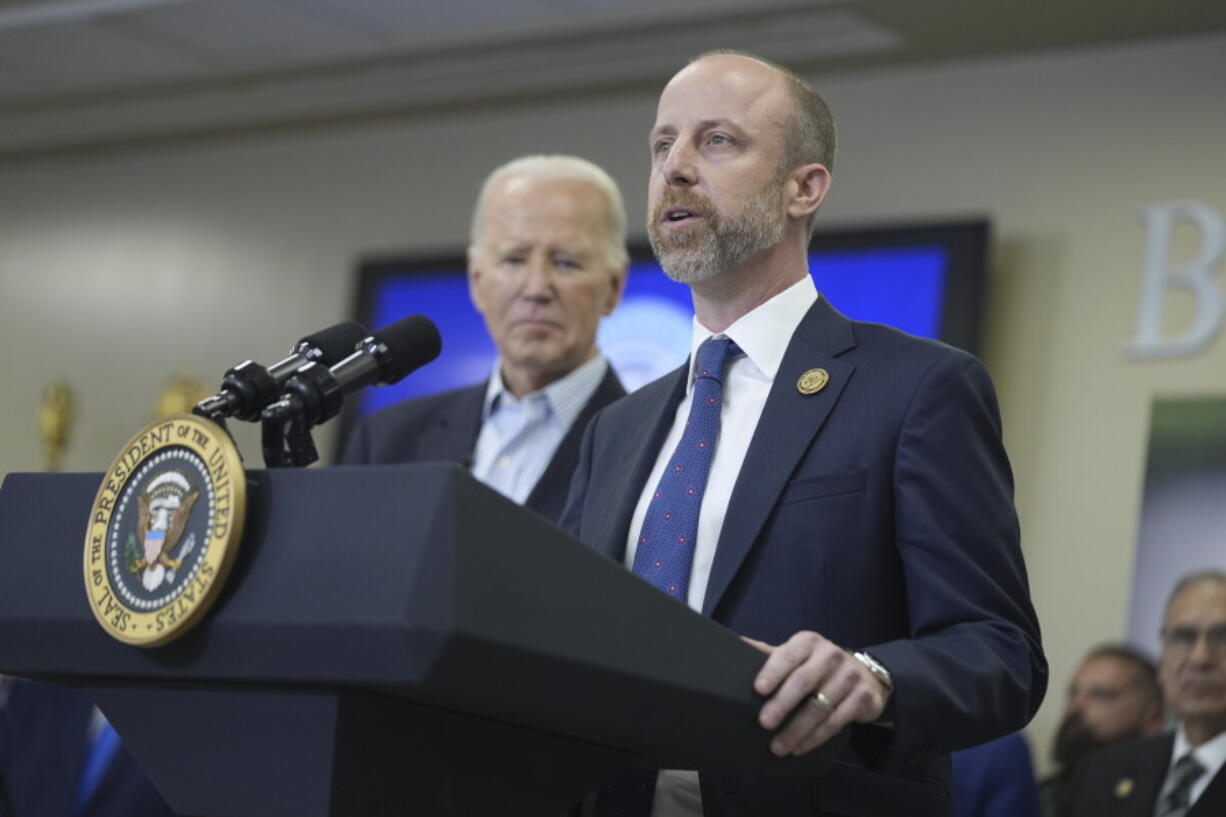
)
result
[(925, 279)]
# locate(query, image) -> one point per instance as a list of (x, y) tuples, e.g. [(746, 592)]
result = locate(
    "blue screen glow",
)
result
[(649, 334)]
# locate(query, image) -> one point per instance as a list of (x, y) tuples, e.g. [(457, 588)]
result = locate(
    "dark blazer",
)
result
[(1125, 781), (43, 738), (995, 779), (444, 427), (877, 512)]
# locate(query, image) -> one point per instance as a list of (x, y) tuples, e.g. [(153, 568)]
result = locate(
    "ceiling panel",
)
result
[(436, 23), (421, 17), (237, 34), (447, 23), (87, 72), (14, 85), (84, 55), (32, 13), (647, 52)]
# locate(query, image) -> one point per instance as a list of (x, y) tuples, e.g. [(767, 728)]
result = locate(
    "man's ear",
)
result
[(616, 290), (810, 184), (474, 280)]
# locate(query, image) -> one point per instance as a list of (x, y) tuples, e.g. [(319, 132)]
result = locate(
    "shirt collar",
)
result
[(565, 398), (765, 331), (1211, 754)]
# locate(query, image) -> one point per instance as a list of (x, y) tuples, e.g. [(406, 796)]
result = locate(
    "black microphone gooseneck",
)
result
[(249, 387), (315, 393)]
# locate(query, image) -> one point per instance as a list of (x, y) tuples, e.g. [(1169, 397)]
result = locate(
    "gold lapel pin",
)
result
[(1123, 787), (812, 381)]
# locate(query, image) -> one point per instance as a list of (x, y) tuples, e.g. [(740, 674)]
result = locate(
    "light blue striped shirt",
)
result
[(519, 437)]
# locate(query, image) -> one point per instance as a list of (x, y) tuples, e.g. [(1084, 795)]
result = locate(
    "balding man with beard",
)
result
[(836, 492)]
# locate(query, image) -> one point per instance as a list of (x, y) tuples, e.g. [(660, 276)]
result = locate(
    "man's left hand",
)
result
[(825, 687)]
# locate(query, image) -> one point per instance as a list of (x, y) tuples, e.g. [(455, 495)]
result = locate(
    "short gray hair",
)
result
[(560, 167), (810, 136), (1209, 576)]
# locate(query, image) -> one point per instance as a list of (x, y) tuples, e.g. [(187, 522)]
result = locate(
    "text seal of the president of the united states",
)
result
[(164, 530)]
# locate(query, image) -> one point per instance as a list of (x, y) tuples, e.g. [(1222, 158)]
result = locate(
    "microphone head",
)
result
[(332, 345), (411, 343)]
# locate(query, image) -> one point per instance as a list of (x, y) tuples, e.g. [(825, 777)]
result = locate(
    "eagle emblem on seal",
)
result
[(165, 506)]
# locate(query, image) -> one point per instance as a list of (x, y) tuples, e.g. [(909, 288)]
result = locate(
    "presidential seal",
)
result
[(164, 530)]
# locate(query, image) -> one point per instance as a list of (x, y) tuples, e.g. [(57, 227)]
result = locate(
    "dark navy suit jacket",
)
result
[(43, 742), (877, 512), (1125, 781), (444, 427), (995, 779)]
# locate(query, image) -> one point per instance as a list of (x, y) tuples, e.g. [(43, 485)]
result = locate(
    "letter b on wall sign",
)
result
[(1196, 277)]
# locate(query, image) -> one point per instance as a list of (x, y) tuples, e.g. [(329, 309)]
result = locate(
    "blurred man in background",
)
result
[(995, 779), (1114, 696), (1180, 773), (60, 758), (547, 260)]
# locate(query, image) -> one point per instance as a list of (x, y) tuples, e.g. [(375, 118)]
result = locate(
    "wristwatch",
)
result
[(876, 670)]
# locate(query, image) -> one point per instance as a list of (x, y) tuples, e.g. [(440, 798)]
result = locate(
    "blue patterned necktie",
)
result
[(666, 543)]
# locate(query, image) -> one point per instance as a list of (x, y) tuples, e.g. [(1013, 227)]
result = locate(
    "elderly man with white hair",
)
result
[(547, 260)]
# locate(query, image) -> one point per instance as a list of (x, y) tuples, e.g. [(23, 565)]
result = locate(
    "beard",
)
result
[(718, 243), (1074, 742)]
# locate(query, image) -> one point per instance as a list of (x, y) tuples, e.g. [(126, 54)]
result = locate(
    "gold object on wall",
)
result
[(56, 415), (180, 393)]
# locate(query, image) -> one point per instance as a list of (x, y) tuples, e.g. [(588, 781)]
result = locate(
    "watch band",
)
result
[(876, 669)]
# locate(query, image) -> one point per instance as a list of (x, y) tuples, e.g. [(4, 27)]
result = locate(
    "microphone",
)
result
[(249, 387), (314, 392)]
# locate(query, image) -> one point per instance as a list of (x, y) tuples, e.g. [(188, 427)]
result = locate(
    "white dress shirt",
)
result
[(1211, 755), (763, 335), (518, 437)]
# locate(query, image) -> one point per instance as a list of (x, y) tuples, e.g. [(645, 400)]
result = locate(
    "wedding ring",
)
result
[(821, 700)]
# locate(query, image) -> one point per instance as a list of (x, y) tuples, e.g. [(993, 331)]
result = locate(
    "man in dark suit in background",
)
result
[(1114, 697), (60, 758), (1179, 774), (833, 487), (547, 259)]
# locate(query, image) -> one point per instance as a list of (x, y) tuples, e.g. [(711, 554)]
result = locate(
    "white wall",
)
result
[(118, 268)]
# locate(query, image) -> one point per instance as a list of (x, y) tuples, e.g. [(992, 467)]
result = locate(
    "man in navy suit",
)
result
[(547, 259), (995, 779), (838, 493), (1114, 697), (55, 762), (1180, 773)]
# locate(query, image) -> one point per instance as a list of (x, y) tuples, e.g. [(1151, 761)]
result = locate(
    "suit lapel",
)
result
[(456, 426), (789, 422), (1212, 802), (1137, 788), (634, 452), (549, 494)]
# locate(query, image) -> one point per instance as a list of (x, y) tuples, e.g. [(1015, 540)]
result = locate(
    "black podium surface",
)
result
[(392, 639)]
